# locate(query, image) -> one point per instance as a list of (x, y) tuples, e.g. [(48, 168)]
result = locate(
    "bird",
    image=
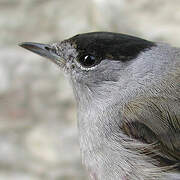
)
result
[(127, 92)]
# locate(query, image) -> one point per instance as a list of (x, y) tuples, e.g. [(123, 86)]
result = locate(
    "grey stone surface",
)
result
[(38, 132)]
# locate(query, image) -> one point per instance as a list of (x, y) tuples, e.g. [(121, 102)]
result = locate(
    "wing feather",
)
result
[(155, 119)]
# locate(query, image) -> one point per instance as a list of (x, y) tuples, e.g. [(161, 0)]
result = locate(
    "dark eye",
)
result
[(87, 60)]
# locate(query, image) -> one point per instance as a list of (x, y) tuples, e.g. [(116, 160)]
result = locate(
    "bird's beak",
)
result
[(44, 50)]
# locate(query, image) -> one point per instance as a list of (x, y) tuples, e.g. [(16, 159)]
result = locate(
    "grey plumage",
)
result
[(128, 99)]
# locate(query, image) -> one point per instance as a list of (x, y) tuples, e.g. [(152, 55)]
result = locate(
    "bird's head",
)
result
[(95, 61)]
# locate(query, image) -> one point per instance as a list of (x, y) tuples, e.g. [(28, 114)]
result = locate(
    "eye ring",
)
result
[(87, 60)]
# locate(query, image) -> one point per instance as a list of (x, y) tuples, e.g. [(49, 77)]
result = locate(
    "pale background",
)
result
[(38, 134)]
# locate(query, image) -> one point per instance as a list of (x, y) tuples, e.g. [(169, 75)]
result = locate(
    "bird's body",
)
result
[(128, 97), (150, 101)]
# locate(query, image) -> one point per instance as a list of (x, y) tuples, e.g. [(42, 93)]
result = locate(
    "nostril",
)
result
[(47, 48), (72, 66)]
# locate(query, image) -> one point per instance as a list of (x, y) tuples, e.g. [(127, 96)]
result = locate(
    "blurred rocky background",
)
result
[(38, 133)]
